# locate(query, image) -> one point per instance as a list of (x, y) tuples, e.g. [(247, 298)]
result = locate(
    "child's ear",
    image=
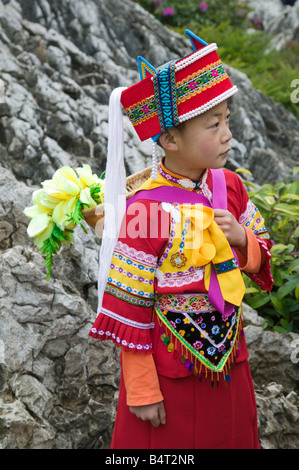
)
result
[(168, 140)]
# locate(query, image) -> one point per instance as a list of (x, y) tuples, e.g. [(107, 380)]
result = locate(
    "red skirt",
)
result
[(197, 415)]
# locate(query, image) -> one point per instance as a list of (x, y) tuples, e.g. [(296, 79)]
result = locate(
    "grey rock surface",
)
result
[(279, 20), (59, 60), (59, 70)]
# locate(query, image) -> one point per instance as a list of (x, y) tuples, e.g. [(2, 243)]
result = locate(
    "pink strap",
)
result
[(170, 194), (219, 189), (219, 202), (182, 196)]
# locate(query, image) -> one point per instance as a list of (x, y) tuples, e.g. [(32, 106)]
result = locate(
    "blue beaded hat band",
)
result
[(166, 98)]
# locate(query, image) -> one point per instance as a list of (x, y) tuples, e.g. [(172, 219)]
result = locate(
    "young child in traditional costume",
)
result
[(170, 287)]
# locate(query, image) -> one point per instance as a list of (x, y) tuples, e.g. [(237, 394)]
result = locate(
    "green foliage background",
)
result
[(243, 45), (279, 206)]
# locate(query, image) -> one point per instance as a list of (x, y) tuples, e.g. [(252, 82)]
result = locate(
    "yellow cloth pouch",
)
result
[(198, 241)]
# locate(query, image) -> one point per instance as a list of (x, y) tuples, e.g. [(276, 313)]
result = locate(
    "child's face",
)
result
[(203, 142)]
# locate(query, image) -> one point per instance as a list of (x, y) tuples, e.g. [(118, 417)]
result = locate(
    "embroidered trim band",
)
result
[(129, 289), (199, 82), (226, 266), (198, 303), (131, 299), (120, 342), (137, 255), (209, 104)]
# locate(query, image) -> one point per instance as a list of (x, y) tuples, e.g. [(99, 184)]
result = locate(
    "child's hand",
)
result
[(233, 231), (154, 413)]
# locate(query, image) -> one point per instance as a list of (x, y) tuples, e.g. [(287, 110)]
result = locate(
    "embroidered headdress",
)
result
[(176, 91), (163, 98)]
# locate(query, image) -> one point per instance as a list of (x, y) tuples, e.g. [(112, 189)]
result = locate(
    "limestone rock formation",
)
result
[(59, 60), (279, 20)]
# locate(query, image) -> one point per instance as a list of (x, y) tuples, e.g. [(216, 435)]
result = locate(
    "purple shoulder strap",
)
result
[(170, 194), (182, 196), (219, 202), (219, 189)]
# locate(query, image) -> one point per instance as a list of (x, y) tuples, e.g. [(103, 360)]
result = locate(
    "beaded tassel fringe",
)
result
[(154, 162), (192, 363)]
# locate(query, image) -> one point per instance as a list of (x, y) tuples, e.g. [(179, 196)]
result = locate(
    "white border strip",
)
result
[(195, 56), (210, 104), (126, 321)]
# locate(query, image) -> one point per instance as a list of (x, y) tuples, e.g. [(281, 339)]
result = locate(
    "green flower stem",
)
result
[(52, 245)]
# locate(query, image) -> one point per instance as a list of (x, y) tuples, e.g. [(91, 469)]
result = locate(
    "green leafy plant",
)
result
[(278, 204), (52, 245), (198, 13), (270, 71)]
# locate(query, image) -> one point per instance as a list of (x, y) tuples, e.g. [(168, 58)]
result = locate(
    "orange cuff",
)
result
[(251, 263), (141, 379)]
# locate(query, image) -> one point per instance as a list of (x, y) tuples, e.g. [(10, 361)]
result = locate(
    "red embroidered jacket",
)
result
[(127, 316)]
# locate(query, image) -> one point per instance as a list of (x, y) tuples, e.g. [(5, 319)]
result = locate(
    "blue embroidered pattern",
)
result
[(165, 92), (131, 263), (226, 266), (126, 288)]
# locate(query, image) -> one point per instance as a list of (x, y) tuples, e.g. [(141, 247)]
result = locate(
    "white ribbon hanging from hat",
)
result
[(115, 189)]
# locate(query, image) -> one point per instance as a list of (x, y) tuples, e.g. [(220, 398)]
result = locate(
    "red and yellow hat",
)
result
[(176, 91)]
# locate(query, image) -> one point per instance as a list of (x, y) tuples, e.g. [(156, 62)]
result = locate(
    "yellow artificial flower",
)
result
[(63, 211), (42, 204), (41, 224), (86, 198), (86, 178), (101, 183), (40, 228), (55, 212), (63, 185)]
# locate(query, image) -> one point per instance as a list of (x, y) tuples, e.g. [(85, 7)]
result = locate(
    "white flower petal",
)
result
[(39, 223)]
